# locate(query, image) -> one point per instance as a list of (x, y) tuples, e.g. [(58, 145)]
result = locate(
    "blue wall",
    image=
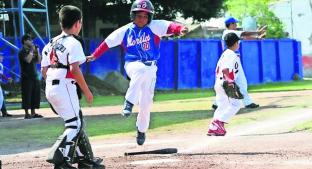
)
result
[(187, 64)]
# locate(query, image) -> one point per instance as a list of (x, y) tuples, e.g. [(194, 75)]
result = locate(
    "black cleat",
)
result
[(27, 116), (214, 107), (91, 164), (252, 106), (36, 116), (140, 138), (127, 110), (64, 165)]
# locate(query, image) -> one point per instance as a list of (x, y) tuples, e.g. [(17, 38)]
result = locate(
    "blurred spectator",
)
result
[(2, 100), (29, 56)]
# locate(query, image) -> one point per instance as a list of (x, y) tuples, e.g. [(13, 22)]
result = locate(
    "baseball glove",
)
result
[(232, 90)]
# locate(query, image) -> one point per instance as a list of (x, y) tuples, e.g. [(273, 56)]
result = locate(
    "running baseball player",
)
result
[(141, 41), (60, 69), (228, 68), (231, 27)]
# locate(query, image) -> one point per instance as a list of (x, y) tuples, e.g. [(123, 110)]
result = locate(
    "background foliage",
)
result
[(258, 9)]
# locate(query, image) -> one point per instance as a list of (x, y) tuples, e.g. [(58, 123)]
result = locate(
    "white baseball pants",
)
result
[(227, 107), (141, 90)]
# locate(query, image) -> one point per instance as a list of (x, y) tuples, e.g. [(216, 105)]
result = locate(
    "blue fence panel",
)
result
[(298, 59), (269, 61), (188, 64), (166, 66), (286, 59), (211, 50), (108, 62), (250, 56)]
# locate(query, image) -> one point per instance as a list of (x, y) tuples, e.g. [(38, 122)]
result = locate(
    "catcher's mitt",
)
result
[(232, 90)]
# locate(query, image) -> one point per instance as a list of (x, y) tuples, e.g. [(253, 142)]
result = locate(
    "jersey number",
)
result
[(146, 46)]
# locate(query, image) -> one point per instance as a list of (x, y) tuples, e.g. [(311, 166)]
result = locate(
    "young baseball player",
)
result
[(60, 68), (141, 40), (231, 27), (228, 68)]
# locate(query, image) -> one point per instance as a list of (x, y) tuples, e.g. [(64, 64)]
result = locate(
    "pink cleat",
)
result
[(216, 128)]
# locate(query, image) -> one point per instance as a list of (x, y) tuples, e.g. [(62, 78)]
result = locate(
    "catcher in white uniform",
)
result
[(228, 67), (60, 69)]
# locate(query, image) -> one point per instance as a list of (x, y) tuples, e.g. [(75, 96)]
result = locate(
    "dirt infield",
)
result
[(261, 144)]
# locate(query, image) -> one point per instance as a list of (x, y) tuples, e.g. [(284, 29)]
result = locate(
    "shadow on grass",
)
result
[(250, 110)]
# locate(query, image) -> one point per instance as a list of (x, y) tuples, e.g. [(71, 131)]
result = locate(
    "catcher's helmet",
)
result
[(142, 5)]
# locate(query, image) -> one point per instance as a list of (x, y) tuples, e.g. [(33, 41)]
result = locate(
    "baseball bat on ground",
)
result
[(160, 151)]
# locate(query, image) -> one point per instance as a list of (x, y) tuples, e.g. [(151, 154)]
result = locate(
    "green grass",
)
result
[(47, 132), (106, 125), (195, 93), (202, 93), (282, 86), (305, 126)]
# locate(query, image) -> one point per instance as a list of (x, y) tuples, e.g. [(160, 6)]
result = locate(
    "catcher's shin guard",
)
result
[(84, 145), (56, 155), (87, 160), (65, 148)]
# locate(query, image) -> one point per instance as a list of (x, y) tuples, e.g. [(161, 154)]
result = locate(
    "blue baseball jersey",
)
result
[(139, 43)]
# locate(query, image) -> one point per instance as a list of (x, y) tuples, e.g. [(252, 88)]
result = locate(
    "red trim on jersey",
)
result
[(157, 40), (69, 74), (175, 28), (217, 70), (100, 50), (231, 75), (53, 58)]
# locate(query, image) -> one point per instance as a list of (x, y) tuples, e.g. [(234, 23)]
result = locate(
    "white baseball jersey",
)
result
[(68, 51), (229, 60)]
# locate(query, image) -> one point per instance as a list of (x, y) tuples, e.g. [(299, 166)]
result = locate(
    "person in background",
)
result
[(29, 57), (231, 27), (2, 99)]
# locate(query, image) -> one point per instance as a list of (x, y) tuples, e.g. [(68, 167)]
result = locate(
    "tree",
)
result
[(260, 10), (118, 11)]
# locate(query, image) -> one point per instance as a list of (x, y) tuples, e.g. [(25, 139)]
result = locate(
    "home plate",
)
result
[(143, 162)]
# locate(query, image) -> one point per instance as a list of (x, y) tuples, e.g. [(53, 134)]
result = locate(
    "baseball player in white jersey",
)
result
[(60, 69), (241, 80), (141, 41), (228, 68)]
